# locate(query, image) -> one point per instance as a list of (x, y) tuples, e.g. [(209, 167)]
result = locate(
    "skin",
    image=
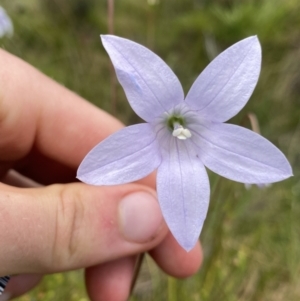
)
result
[(45, 131)]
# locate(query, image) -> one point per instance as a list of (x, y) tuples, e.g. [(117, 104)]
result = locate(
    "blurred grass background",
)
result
[(251, 238)]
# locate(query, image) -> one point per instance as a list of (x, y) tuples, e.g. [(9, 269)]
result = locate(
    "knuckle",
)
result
[(70, 213)]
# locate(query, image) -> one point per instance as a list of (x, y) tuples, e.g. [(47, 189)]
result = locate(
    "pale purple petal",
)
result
[(227, 83), (6, 25), (128, 155), (150, 85), (183, 192), (240, 154)]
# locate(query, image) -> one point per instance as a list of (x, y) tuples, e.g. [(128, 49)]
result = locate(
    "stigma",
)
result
[(180, 132)]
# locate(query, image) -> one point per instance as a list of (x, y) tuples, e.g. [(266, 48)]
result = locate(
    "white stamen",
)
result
[(187, 133), (177, 132), (180, 132)]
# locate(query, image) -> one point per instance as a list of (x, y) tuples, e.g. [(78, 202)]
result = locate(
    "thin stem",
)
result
[(254, 123), (110, 13), (137, 269), (151, 27), (172, 294), (113, 81)]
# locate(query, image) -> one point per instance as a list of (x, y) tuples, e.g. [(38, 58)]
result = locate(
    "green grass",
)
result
[(251, 237)]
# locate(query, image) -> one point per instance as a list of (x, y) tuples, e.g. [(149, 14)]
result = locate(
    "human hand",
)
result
[(45, 132)]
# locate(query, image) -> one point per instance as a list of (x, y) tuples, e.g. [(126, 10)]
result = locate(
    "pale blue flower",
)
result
[(6, 25), (182, 136)]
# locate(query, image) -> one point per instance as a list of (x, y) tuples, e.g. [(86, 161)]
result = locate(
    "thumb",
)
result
[(63, 227)]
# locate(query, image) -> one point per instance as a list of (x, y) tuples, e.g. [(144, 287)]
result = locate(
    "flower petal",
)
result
[(6, 25), (128, 155), (227, 83), (183, 192), (150, 85), (240, 154)]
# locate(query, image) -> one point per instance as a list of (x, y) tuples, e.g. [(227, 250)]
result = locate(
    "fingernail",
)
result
[(140, 217), (5, 296)]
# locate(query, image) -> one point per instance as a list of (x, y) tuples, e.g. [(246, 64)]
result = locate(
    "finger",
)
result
[(63, 227), (111, 280), (168, 254), (19, 285), (37, 113), (44, 124), (102, 280), (174, 260)]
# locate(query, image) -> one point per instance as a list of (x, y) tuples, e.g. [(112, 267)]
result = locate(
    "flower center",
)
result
[(176, 124), (180, 132)]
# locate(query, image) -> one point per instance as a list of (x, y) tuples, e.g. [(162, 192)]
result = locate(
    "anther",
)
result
[(180, 132)]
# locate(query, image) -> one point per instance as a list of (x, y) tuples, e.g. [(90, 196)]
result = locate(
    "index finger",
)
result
[(38, 113)]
